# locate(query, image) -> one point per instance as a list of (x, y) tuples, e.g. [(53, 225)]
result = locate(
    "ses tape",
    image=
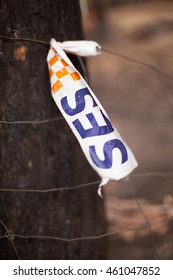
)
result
[(101, 143)]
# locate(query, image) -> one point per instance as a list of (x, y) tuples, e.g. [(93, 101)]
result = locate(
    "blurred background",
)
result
[(135, 86)]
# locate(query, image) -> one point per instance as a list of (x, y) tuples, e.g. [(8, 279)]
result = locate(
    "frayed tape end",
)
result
[(103, 182)]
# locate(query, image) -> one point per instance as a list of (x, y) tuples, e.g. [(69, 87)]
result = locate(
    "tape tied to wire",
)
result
[(80, 48), (101, 143)]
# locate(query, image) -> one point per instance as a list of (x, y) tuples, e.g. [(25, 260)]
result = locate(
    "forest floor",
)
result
[(139, 101)]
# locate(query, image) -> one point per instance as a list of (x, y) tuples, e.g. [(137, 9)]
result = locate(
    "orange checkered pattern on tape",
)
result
[(61, 73)]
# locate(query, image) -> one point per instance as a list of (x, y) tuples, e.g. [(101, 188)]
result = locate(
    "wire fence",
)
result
[(11, 235)]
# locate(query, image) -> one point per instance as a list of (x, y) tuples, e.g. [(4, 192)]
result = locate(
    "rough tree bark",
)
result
[(42, 156)]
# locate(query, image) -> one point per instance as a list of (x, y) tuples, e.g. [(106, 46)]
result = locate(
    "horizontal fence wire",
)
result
[(121, 116), (32, 122), (11, 236), (125, 57), (85, 185)]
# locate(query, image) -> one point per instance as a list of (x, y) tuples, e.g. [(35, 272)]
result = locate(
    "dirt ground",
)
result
[(139, 100)]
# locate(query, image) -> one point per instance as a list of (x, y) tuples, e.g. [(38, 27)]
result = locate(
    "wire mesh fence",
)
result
[(148, 225)]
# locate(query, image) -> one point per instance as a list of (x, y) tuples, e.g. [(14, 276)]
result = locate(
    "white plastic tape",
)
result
[(101, 143), (81, 48)]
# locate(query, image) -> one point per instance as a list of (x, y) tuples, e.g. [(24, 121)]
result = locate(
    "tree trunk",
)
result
[(42, 155)]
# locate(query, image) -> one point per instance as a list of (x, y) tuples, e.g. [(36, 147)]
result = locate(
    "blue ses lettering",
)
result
[(96, 129)]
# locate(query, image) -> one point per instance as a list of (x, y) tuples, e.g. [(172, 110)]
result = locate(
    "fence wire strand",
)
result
[(123, 56), (136, 61), (121, 116), (148, 224), (10, 236), (32, 122), (53, 189), (84, 238), (85, 185)]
